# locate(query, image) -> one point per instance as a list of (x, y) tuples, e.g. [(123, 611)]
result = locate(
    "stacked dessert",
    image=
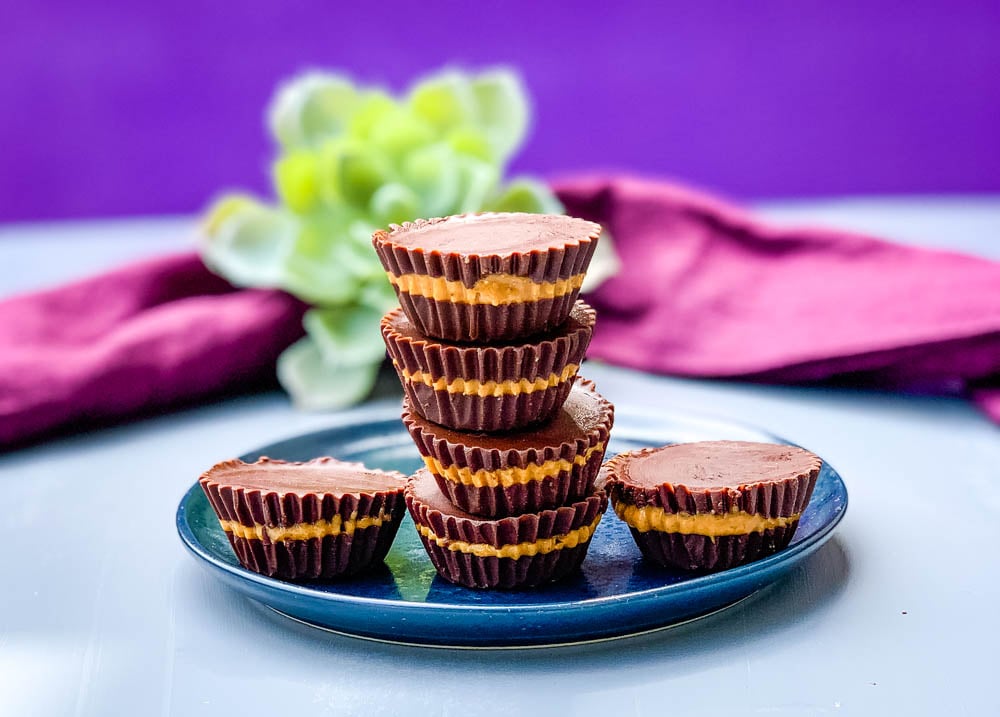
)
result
[(487, 344)]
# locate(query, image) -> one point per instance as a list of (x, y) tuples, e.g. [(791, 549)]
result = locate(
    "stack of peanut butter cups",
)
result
[(487, 344)]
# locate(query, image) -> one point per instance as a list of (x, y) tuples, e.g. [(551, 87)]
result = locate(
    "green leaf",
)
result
[(313, 273), (311, 108), (472, 142), (379, 295), (604, 264), (526, 195), (360, 172), (434, 175), (247, 242), (478, 182), (350, 171), (371, 107), (502, 109), (445, 100), (361, 258), (399, 132), (394, 203), (332, 280), (296, 180), (346, 334), (316, 382), (328, 168)]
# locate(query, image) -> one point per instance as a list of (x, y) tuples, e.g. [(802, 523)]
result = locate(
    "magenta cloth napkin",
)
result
[(705, 290), (135, 340)]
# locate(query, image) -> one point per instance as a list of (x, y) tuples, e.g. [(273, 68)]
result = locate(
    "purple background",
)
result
[(122, 108)]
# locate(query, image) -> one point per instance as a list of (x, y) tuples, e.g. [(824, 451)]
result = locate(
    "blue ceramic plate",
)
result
[(616, 593)]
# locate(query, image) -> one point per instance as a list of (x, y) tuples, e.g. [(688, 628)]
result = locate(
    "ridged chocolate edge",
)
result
[(533, 496), (699, 553), (492, 414), (484, 323), (541, 265), (256, 506), (526, 528), (550, 355), (326, 558), (316, 558), (504, 573), (772, 499), (251, 507), (530, 360), (469, 455)]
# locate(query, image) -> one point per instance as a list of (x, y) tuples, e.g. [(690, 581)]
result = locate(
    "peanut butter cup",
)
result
[(488, 388), (711, 505), (522, 471), (487, 278), (512, 552), (316, 520)]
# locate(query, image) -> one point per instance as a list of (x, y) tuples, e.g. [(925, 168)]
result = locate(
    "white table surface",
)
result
[(102, 611)]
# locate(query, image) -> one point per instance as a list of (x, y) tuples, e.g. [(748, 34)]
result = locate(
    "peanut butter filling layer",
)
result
[(495, 289), (507, 477), (712, 525), (304, 531), (485, 389), (539, 547)]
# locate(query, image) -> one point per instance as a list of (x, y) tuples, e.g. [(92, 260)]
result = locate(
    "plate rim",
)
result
[(505, 647), (376, 412)]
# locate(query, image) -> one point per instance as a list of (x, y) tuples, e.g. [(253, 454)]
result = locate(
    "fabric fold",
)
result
[(705, 290), (708, 290), (134, 340)]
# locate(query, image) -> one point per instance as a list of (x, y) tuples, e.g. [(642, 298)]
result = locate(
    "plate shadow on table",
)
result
[(793, 602)]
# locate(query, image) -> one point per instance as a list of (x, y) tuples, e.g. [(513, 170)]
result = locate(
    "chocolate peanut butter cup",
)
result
[(487, 278), (488, 388), (317, 520), (512, 552), (712, 505), (523, 471)]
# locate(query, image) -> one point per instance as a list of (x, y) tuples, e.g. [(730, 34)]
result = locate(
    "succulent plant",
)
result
[(351, 160)]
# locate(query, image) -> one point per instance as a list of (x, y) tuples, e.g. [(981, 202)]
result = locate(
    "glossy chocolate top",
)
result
[(424, 488), (322, 475), (583, 411), (711, 464), (492, 234)]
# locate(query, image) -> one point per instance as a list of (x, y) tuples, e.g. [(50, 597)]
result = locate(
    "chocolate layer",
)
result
[(568, 449), (316, 476), (716, 477), (729, 479), (502, 573), (483, 323), (543, 247), (450, 526), (276, 497), (450, 384), (326, 558), (471, 249), (698, 553)]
